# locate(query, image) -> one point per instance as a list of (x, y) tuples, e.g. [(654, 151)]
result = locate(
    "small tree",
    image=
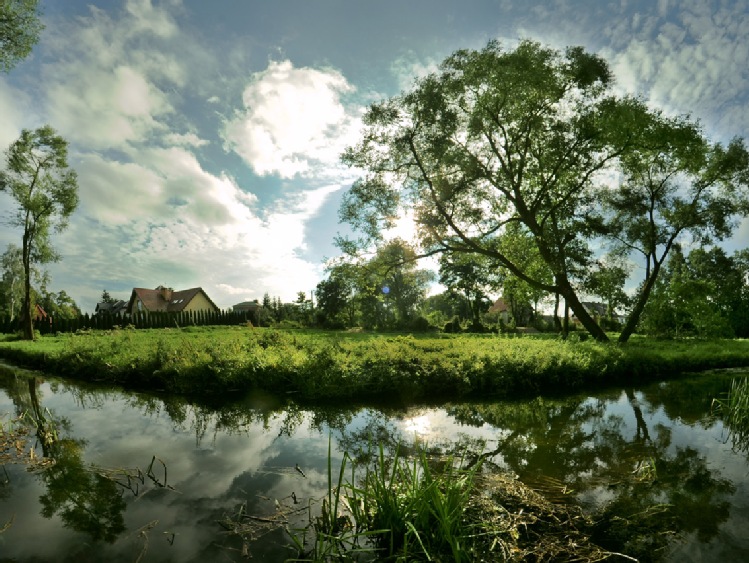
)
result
[(106, 298), (38, 177)]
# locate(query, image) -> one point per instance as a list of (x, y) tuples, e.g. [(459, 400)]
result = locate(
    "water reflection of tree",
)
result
[(85, 500), (654, 488)]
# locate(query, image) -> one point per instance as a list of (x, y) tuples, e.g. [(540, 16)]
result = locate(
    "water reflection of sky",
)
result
[(217, 460)]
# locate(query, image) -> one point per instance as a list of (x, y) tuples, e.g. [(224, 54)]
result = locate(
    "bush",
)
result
[(420, 324), (453, 326)]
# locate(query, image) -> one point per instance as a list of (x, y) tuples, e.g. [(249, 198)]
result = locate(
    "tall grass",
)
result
[(400, 510), (324, 366), (734, 410)]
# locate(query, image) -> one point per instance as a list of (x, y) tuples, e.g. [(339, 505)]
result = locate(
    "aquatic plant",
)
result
[(733, 408)]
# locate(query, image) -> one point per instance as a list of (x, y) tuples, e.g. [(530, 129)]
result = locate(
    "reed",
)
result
[(733, 408)]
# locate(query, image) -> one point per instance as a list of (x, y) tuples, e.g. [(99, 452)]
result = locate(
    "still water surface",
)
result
[(154, 478)]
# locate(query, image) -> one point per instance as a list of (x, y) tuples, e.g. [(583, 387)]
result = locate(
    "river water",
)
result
[(143, 477)]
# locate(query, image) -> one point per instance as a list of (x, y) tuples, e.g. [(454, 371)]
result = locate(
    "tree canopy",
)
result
[(525, 142), (19, 31)]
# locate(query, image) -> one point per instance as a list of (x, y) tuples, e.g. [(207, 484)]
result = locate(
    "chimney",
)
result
[(166, 292)]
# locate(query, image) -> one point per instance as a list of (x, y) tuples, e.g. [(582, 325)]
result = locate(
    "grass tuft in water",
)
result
[(401, 510), (734, 410)]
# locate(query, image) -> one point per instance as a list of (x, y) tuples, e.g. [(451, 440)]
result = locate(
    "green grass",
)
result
[(400, 510), (335, 366), (733, 408)]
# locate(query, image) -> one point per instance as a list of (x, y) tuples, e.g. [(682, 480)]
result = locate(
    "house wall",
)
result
[(199, 303)]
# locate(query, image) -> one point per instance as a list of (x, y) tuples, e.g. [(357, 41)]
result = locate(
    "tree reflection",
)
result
[(86, 500), (644, 488)]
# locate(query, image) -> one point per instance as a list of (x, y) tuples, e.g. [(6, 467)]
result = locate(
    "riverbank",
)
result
[(314, 366)]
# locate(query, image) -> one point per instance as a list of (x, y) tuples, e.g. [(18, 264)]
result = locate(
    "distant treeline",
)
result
[(52, 325)]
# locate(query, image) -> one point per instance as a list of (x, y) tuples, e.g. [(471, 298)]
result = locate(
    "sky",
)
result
[(206, 135)]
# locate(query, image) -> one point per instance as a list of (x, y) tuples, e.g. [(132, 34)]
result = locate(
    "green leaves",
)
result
[(19, 31), (45, 188)]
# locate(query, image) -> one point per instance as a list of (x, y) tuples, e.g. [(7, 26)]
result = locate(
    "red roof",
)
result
[(165, 299), (499, 306)]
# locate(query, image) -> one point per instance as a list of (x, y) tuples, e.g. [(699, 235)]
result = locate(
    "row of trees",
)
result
[(527, 158), (12, 290), (702, 294)]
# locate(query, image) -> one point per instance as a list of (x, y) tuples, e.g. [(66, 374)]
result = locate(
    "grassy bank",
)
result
[(318, 366)]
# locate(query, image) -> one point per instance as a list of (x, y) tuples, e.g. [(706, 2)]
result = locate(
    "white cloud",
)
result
[(107, 86), (185, 139), (167, 220), (295, 121), (15, 108), (408, 68), (147, 18)]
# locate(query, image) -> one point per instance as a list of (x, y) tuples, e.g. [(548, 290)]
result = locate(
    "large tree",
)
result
[(676, 185), (531, 138), (19, 31), (496, 139), (38, 177)]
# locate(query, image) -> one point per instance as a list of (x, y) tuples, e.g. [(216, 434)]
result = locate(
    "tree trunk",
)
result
[(642, 300), (566, 321), (557, 322), (582, 315), (27, 319)]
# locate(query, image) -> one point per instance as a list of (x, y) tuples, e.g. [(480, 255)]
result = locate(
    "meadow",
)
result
[(319, 366)]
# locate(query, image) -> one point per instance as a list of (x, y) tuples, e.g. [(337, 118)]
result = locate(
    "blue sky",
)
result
[(206, 135)]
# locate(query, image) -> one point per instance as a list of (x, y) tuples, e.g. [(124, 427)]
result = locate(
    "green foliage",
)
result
[(383, 292), (415, 509), (471, 277), (19, 31), (11, 286), (704, 295), (45, 188), (400, 510), (506, 155)]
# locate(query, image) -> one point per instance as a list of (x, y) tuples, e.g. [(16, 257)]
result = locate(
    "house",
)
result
[(252, 309), (40, 314), (502, 309), (118, 307), (165, 299), (595, 309), (247, 306)]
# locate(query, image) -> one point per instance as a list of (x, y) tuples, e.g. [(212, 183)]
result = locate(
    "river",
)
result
[(145, 477)]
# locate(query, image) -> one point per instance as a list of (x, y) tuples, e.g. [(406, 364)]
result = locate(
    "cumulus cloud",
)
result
[(295, 121), (108, 86), (182, 226)]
